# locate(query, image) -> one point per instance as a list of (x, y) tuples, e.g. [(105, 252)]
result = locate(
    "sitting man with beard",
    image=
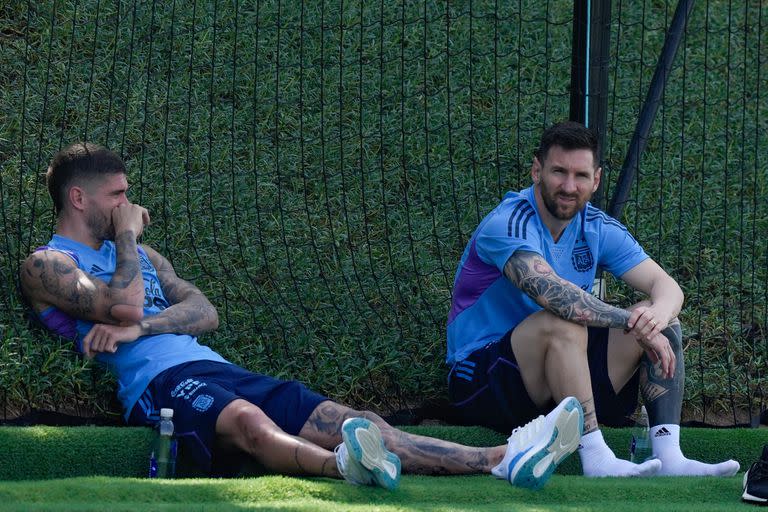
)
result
[(524, 332)]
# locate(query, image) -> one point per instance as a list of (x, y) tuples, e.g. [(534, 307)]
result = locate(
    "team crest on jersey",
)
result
[(582, 259), (202, 403)]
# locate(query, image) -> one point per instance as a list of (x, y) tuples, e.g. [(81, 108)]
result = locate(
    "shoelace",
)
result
[(528, 431)]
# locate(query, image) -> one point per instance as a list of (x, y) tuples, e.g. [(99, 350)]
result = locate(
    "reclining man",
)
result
[(523, 330), (123, 304)]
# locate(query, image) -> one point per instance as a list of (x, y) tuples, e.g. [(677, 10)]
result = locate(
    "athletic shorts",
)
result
[(487, 389), (198, 391)]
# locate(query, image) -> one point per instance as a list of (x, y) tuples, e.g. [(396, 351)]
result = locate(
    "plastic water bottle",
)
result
[(640, 449), (162, 458)]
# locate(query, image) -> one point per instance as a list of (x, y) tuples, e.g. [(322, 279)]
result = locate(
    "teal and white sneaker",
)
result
[(362, 458), (535, 450)]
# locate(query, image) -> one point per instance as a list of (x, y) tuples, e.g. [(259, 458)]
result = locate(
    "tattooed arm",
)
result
[(190, 312), (51, 278), (536, 278)]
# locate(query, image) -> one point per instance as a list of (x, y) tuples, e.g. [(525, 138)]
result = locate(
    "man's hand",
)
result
[(646, 322), (105, 338), (131, 217), (661, 355)]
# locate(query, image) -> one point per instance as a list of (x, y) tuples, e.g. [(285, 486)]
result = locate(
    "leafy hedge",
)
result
[(316, 169)]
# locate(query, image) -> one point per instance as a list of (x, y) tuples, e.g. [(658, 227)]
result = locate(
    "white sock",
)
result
[(598, 460), (665, 440)]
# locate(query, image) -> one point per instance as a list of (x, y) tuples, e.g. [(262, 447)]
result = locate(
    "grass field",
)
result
[(416, 493), (100, 468)]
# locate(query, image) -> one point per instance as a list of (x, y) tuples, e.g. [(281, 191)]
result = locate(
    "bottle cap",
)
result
[(166, 413)]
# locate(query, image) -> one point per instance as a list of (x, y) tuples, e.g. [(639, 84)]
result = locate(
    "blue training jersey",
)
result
[(486, 305), (134, 364)]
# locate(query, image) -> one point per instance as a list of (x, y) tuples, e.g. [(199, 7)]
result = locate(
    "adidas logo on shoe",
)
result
[(662, 432)]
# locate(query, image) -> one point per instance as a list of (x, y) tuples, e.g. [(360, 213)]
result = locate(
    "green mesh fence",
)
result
[(317, 167)]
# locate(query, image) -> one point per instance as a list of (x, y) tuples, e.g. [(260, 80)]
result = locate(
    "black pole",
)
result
[(598, 83), (579, 62), (650, 107), (590, 59)]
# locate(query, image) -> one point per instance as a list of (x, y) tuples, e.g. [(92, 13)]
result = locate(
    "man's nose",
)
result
[(569, 184)]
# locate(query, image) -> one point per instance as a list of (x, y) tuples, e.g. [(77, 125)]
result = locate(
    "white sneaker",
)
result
[(362, 458), (352, 471), (535, 450)]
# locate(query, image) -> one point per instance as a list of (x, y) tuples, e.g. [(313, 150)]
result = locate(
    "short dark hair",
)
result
[(77, 162), (568, 135)]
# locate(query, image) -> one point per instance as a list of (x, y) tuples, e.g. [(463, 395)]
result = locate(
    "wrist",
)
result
[(125, 234)]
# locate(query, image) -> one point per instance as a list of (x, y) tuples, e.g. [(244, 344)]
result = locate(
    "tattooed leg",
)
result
[(663, 398), (597, 459), (244, 426), (418, 454)]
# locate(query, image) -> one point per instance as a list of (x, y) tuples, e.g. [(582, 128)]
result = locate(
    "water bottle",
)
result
[(640, 449), (162, 458)]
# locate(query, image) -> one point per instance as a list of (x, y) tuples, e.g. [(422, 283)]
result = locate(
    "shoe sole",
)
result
[(748, 497), (753, 499), (535, 466), (365, 444)]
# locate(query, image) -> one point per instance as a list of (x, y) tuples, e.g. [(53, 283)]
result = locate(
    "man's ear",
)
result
[(536, 170), (76, 196), (598, 175)]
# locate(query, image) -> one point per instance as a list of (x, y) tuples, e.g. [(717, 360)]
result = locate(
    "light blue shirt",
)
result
[(486, 305), (134, 364)]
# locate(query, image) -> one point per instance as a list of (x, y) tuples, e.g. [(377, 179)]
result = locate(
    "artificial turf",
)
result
[(416, 493), (44, 452), (101, 468)]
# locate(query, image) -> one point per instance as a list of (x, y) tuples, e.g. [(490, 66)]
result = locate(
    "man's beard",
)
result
[(558, 212), (101, 227)]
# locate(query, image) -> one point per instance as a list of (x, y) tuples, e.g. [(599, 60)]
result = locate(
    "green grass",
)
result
[(60, 452), (416, 493), (99, 468)]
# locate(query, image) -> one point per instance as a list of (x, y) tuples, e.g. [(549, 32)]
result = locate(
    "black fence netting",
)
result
[(317, 167)]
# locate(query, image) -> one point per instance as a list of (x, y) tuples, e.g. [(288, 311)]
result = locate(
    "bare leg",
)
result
[(418, 454), (245, 426), (552, 355)]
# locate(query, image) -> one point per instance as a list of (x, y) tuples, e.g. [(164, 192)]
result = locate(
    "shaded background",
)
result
[(317, 167)]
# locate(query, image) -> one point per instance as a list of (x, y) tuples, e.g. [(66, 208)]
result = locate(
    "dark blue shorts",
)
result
[(487, 389), (198, 392)]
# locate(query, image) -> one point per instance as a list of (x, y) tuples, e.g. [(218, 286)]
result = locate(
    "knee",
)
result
[(674, 334), (254, 428), (558, 333)]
